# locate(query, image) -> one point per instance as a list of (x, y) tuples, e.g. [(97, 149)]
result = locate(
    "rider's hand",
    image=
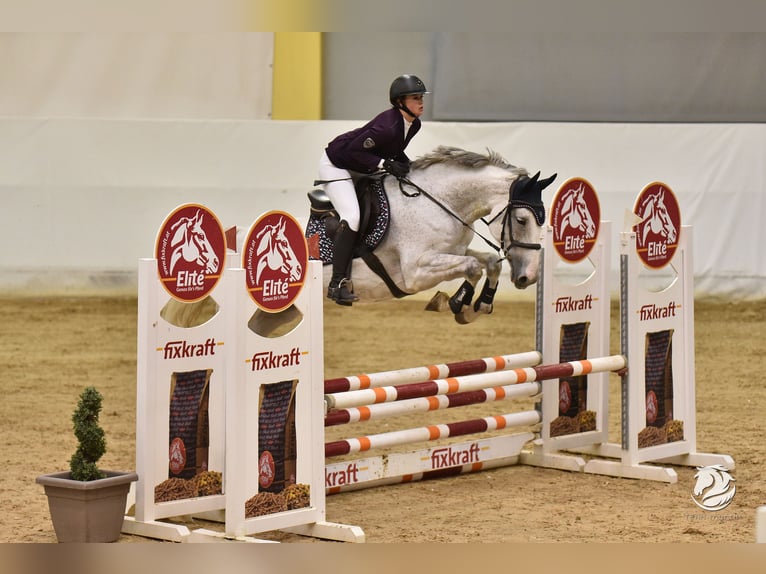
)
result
[(396, 168)]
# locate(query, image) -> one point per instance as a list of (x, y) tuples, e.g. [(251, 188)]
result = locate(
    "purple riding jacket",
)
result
[(382, 137)]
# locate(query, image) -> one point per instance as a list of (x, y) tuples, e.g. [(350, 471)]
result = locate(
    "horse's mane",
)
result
[(461, 157)]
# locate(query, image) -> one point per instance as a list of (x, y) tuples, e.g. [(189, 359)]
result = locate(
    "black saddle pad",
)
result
[(316, 231)]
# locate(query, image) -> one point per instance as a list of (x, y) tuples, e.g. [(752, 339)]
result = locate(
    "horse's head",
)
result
[(206, 256), (575, 212), (670, 230), (523, 228), (655, 218), (716, 476), (276, 252), (190, 242), (289, 260)]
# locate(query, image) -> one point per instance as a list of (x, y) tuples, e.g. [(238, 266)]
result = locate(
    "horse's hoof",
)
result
[(484, 309), (461, 319), (439, 302)]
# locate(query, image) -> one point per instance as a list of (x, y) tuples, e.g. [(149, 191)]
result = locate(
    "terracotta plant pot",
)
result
[(90, 511)]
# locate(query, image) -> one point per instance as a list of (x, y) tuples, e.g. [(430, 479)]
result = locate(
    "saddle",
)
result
[(374, 219)]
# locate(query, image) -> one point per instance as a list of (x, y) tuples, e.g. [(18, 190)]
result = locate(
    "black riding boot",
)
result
[(340, 289)]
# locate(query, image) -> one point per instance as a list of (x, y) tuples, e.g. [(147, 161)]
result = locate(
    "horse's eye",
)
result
[(521, 220)]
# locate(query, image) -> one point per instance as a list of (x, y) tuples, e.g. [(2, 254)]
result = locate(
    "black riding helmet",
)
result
[(405, 85)]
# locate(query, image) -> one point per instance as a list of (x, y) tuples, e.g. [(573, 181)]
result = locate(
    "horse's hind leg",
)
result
[(483, 305)]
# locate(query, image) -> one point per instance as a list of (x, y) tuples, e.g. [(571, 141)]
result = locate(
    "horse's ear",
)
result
[(546, 182), (534, 178)]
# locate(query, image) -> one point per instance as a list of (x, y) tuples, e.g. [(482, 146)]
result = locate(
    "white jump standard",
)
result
[(256, 425)]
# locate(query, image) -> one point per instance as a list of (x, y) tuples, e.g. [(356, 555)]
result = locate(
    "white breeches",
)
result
[(341, 193)]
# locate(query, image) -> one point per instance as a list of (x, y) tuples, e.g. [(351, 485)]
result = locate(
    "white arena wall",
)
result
[(83, 198)]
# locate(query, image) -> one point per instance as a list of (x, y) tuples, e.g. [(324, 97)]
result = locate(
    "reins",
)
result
[(421, 191), (505, 213)]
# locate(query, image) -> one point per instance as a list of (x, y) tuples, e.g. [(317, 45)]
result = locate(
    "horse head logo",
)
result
[(575, 212), (655, 218), (714, 489), (190, 243), (274, 251)]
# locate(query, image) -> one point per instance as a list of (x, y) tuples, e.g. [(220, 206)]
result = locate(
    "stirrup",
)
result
[(342, 293)]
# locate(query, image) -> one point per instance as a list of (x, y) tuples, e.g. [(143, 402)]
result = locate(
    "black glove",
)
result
[(396, 168)]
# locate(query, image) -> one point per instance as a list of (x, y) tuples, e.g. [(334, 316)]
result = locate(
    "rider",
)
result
[(379, 144)]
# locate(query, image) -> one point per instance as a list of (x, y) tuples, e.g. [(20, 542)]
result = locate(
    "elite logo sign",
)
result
[(190, 252), (575, 218), (275, 257), (657, 234)]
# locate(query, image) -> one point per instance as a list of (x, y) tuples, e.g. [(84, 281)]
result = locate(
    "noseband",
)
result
[(512, 242)]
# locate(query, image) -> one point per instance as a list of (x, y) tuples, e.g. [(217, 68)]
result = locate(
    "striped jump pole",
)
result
[(380, 476), (430, 372), (430, 433), (366, 397), (424, 404)]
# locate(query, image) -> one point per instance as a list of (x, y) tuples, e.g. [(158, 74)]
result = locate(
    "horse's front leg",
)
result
[(483, 305), (431, 269), (435, 268)]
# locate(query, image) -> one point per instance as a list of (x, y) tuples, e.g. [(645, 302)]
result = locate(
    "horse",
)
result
[(716, 486), (432, 213), (576, 212), (190, 243), (274, 251), (655, 218)]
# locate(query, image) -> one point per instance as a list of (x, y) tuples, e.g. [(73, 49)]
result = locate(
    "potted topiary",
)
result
[(86, 503)]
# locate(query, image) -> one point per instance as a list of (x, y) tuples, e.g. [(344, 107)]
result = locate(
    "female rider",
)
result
[(379, 144)]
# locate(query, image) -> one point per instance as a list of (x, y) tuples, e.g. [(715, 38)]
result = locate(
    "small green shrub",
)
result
[(90, 436)]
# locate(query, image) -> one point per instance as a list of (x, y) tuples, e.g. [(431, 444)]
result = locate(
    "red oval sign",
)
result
[(177, 456), (190, 252), (652, 407), (575, 218), (266, 469), (658, 233), (565, 397), (275, 257)]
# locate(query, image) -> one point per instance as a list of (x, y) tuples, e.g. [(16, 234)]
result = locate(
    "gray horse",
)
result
[(432, 213)]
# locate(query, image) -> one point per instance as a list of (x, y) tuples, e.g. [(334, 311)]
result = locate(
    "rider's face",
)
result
[(414, 103)]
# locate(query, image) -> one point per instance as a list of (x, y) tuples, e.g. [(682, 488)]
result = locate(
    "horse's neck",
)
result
[(471, 195)]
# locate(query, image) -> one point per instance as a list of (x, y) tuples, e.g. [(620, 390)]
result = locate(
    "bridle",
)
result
[(538, 210)]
